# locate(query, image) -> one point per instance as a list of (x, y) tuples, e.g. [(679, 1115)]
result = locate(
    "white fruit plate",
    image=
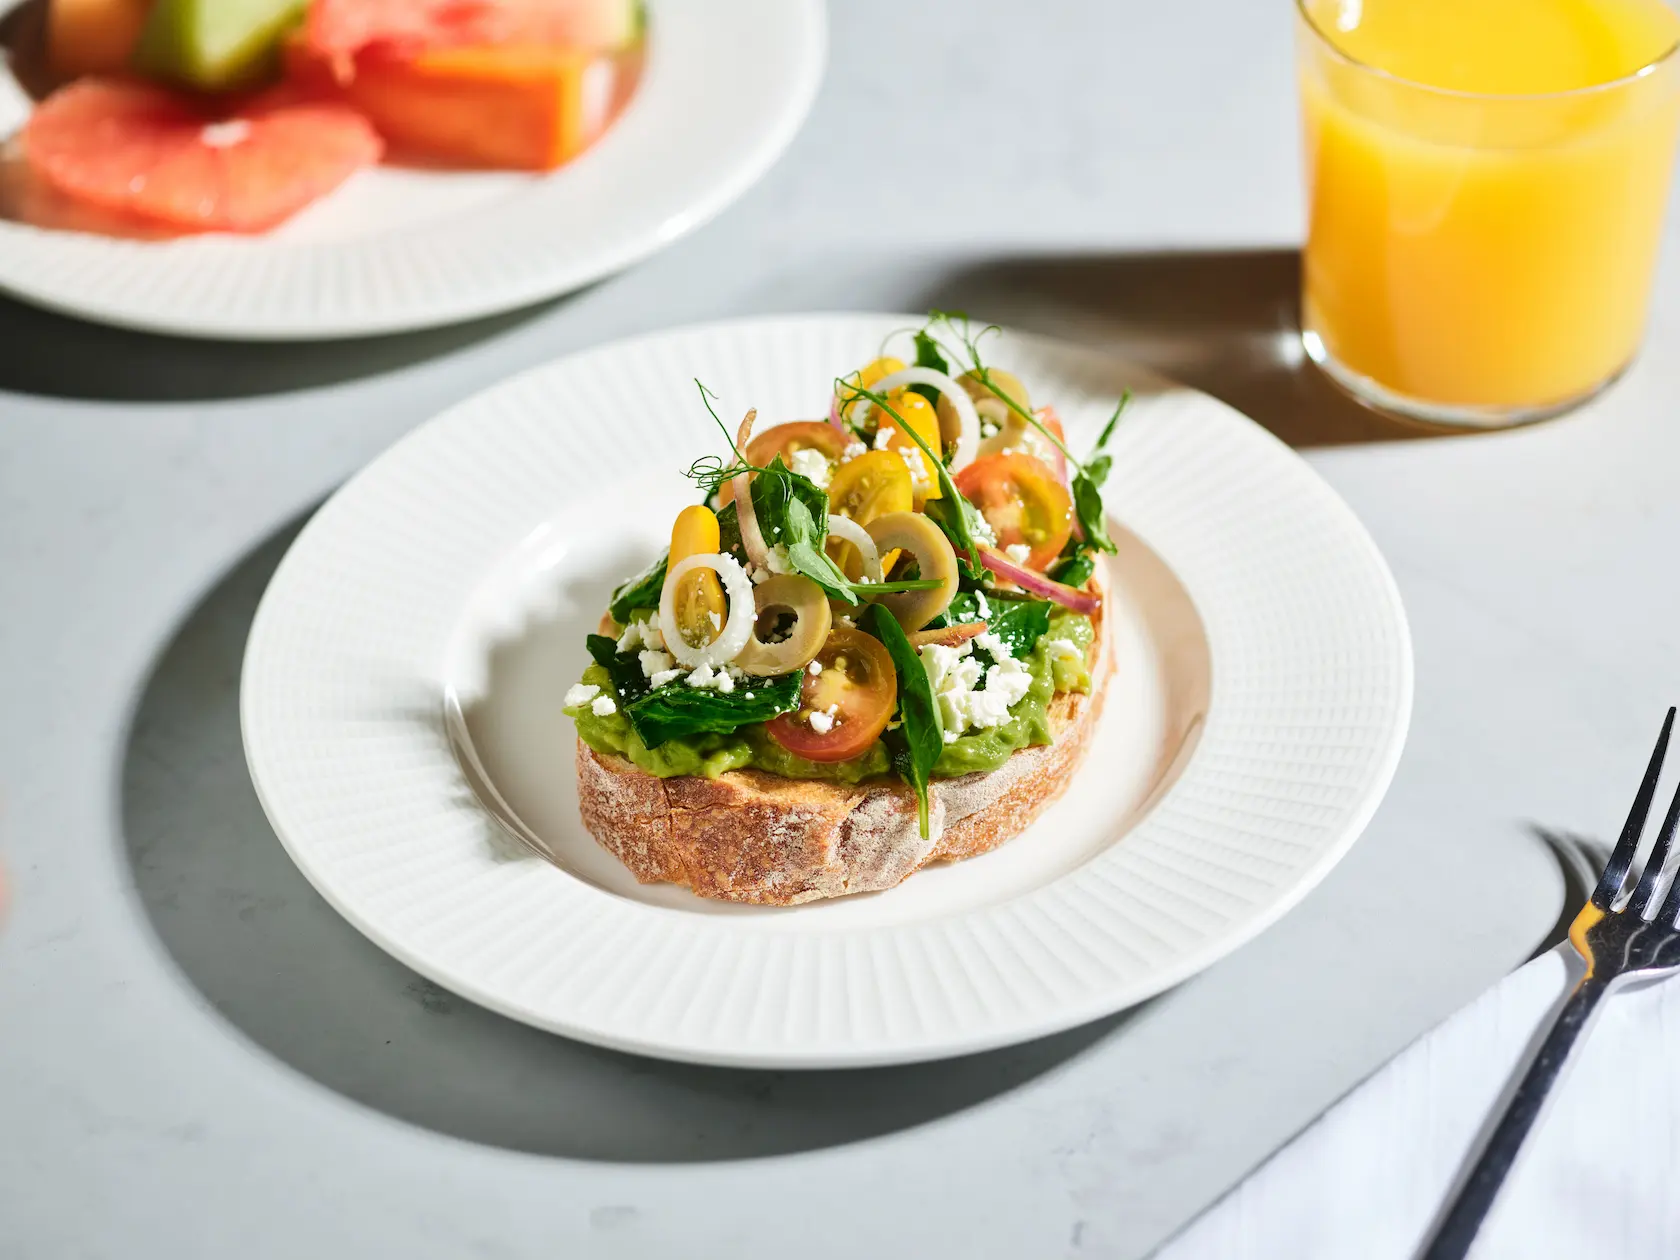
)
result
[(724, 88), (1258, 709)]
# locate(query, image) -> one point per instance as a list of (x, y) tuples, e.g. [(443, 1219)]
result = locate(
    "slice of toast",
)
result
[(752, 836)]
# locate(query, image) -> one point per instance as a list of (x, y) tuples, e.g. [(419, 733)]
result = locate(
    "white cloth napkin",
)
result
[(1599, 1178)]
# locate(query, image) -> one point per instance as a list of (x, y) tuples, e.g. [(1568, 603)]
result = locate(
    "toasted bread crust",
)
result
[(756, 837)]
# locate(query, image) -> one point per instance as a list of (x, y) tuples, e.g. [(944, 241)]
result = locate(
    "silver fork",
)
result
[(1619, 938)]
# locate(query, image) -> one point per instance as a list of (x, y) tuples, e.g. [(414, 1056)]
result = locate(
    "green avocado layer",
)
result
[(752, 747)]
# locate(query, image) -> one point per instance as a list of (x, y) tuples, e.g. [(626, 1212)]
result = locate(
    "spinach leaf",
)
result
[(729, 532), (624, 668), (641, 591), (1019, 622), (670, 712), (676, 709), (1075, 567), (917, 743), (928, 356), (793, 511)]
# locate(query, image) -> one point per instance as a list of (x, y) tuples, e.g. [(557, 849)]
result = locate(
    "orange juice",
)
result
[(1486, 185)]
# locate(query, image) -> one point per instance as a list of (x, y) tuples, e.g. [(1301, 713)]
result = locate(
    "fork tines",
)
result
[(1617, 869)]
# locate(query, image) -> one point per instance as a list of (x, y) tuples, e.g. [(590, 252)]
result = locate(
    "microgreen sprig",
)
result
[(709, 472), (1088, 476)]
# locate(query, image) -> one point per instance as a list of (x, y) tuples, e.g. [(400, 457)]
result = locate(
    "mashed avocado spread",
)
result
[(751, 746)]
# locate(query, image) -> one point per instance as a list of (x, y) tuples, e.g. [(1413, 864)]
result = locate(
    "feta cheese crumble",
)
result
[(1018, 552), (719, 680), (581, 694), (883, 435), (822, 723), (654, 663), (1064, 648), (982, 531), (988, 428), (972, 695), (854, 448), (643, 634), (814, 668), (918, 470), (811, 464), (603, 706)]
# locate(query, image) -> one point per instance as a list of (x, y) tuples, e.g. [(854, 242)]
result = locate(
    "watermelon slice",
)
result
[(340, 30), (163, 157)]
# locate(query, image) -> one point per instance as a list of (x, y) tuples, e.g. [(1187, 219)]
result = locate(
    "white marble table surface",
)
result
[(197, 1059)]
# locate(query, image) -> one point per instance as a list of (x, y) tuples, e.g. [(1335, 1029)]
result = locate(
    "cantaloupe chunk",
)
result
[(513, 106), (93, 36)]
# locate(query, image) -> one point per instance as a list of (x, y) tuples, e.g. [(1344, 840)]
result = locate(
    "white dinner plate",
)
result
[(1260, 700), (724, 88)]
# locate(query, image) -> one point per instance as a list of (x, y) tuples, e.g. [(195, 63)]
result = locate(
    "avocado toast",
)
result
[(878, 642)]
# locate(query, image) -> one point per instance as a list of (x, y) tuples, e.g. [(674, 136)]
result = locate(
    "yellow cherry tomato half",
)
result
[(873, 484), (699, 604), (844, 707), (918, 413), (866, 377), (1023, 501), (870, 486)]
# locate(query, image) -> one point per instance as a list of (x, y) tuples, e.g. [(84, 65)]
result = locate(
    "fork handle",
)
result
[(1456, 1227)]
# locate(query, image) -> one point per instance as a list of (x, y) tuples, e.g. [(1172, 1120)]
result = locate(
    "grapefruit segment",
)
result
[(163, 157)]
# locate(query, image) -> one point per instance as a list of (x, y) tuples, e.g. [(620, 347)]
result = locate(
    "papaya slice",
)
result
[(521, 107)]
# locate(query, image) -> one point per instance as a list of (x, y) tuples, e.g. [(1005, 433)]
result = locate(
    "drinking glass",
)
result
[(1473, 258)]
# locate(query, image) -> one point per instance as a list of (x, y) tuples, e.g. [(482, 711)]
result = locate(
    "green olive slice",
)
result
[(935, 561), (988, 402), (775, 646)]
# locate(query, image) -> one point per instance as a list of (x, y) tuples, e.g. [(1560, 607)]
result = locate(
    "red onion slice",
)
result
[(834, 412), (1036, 583), (948, 636), (752, 538)]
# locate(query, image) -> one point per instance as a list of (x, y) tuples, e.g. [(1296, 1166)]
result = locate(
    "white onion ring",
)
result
[(736, 631), (1037, 583), (968, 441), (848, 530), (751, 537)]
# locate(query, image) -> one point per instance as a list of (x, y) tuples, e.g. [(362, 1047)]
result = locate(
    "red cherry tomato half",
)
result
[(843, 708), (1022, 501), (784, 440)]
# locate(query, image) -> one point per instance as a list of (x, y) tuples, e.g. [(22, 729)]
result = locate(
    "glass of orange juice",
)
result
[(1486, 183)]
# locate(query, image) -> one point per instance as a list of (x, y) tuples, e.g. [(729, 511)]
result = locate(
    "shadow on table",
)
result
[(288, 972), (62, 357), (1226, 322)]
